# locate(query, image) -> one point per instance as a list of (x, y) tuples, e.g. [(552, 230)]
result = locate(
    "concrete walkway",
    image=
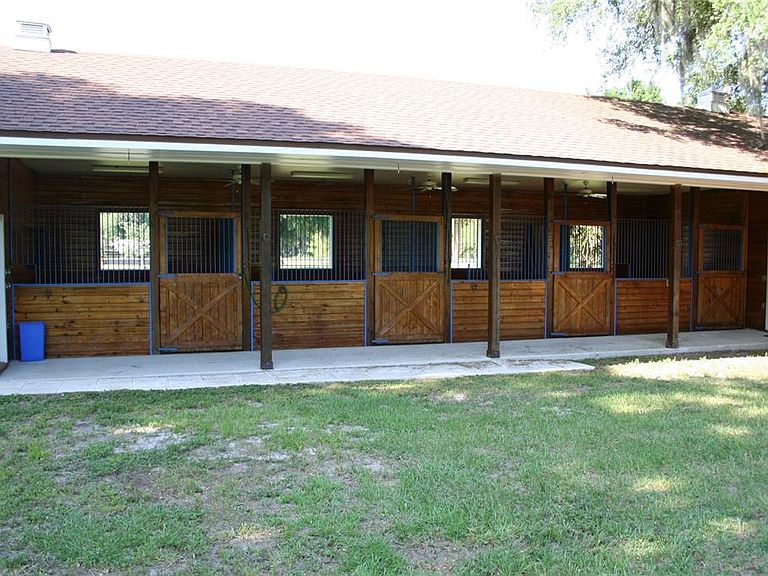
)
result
[(179, 371)]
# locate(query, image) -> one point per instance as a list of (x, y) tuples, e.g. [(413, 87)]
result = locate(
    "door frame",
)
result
[(607, 272), (163, 273), (377, 271), (701, 276)]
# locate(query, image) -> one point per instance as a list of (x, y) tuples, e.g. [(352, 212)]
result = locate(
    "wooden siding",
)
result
[(315, 315), (641, 306), (757, 258), (722, 207), (522, 310), (87, 320), (129, 191)]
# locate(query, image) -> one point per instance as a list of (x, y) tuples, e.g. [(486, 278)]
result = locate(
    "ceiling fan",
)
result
[(430, 185), (587, 192)]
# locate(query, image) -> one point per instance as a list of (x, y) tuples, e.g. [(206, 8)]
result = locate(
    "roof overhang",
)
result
[(146, 151)]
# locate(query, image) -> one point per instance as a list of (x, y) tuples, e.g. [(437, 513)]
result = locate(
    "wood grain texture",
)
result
[(721, 300), (201, 312), (674, 258), (409, 307), (87, 320), (521, 308), (493, 262), (582, 303), (642, 306), (315, 315)]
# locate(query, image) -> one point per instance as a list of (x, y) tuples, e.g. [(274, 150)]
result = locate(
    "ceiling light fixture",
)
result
[(322, 175), (476, 181), (117, 169)]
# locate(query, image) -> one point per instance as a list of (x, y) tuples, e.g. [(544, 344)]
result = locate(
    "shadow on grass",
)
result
[(602, 472)]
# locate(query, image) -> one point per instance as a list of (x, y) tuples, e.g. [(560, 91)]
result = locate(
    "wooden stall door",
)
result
[(583, 286), (408, 281), (721, 294), (200, 283)]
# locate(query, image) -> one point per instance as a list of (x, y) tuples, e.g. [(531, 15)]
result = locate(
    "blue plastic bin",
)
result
[(32, 341)]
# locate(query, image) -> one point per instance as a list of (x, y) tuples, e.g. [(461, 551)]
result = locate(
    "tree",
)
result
[(636, 90), (710, 43)]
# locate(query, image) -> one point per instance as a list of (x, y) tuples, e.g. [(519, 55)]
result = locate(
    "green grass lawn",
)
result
[(653, 467)]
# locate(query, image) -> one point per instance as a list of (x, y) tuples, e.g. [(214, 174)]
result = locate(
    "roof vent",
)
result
[(34, 36), (713, 101)]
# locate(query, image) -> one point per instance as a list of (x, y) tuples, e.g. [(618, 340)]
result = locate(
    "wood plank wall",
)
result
[(315, 315), (641, 306), (332, 314), (87, 320), (522, 310), (757, 254)]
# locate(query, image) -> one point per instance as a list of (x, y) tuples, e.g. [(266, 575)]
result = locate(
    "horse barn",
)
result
[(158, 206)]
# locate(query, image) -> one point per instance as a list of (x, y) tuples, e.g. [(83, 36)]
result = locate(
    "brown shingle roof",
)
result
[(98, 94)]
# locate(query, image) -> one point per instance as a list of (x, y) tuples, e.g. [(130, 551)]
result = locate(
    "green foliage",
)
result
[(636, 90), (711, 43)]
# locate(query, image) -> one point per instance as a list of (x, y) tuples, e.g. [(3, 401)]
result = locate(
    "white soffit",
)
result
[(137, 151)]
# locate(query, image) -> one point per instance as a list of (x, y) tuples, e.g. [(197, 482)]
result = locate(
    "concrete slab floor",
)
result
[(179, 371)]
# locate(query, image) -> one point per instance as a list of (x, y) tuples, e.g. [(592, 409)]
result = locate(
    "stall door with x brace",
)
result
[(200, 298), (408, 281)]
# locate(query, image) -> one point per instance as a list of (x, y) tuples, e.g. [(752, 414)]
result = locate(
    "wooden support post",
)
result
[(744, 255), (675, 263), (154, 256), (494, 267), (370, 257), (265, 266), (549, 204), (613, 202), (245, 251), (447, 256)]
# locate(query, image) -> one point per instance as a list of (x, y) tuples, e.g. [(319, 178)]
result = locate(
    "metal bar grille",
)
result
[(582, 248), (81, 245), (409, 246), (722, 250), (200, 245), (523, 247), (642, 248), (314, 245)]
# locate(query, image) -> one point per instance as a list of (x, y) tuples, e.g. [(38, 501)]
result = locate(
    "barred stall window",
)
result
[(306, 241), (409, 246), (200, 245), (642, 246), (582, 248), (467, 243), (523, 247), (81, 245), (124, 241), (314, 245), (721, 250)]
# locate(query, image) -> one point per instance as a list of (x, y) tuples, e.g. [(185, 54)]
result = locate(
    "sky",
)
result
[(483, 41)]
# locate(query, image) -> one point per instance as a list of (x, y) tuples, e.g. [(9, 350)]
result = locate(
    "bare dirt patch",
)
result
[(438, 556), (141, 438)]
